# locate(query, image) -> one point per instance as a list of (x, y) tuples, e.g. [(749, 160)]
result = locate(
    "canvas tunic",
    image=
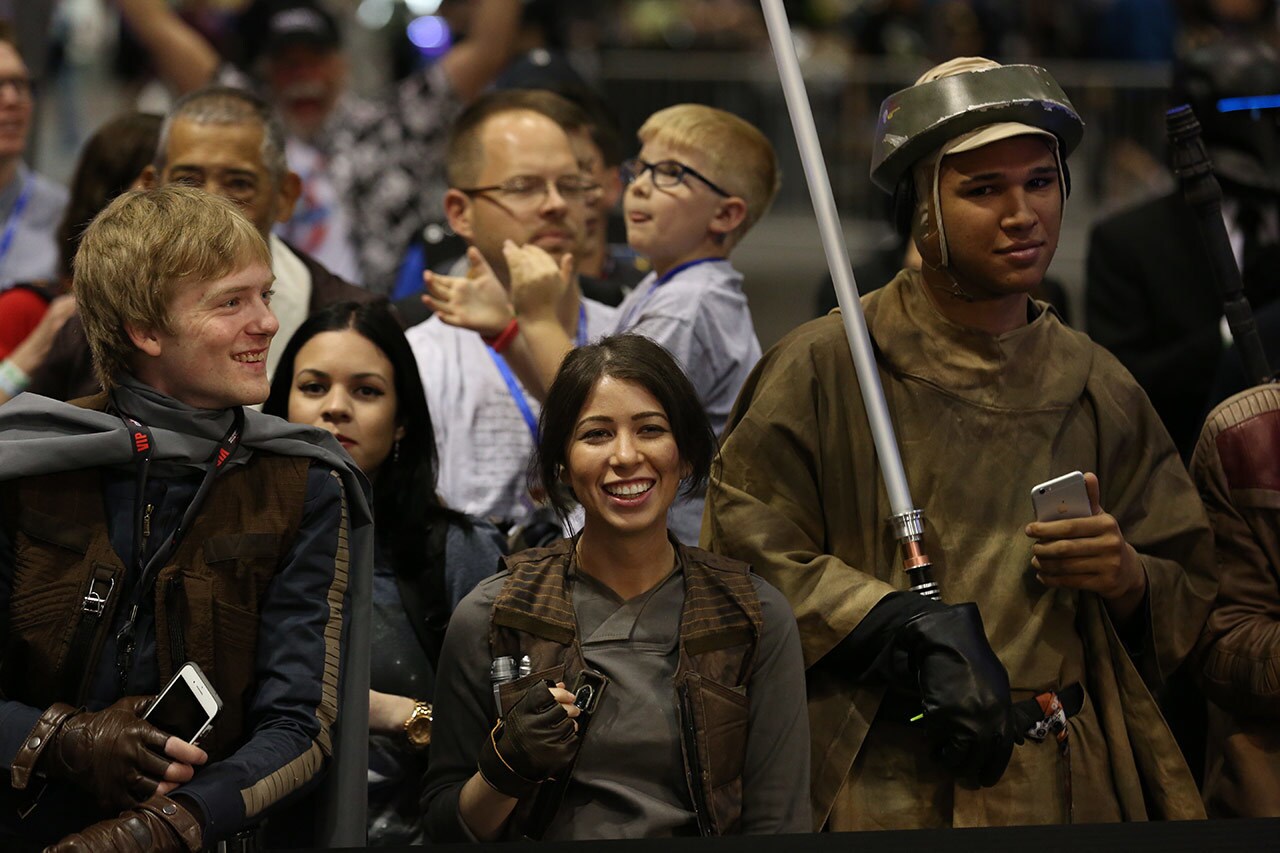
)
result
[(980, 420)]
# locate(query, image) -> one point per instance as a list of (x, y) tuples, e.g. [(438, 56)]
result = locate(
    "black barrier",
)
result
[(1202, 836)]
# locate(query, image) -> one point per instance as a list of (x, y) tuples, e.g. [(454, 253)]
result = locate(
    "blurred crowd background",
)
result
[(1113, 57)]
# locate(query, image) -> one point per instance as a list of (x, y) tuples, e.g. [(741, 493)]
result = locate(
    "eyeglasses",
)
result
[(666, 174), (22, 86), (531, 190)]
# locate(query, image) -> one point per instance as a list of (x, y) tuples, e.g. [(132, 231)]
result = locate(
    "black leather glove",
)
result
[(940, 653), (964, 690), (159, 825), (534, 740), (114, 754)]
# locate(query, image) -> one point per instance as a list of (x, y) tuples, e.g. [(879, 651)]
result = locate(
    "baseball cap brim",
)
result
[(301, 24), (994, 133)]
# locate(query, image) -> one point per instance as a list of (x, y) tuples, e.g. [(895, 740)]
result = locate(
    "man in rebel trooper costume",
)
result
[(1068, 625), (159, 523)]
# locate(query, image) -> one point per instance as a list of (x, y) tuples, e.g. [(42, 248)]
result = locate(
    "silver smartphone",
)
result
[(1062, 497), (187, 705)]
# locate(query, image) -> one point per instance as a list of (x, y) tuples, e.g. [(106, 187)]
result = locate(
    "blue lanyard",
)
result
[(11, 227), (513, 385), (638, 306)]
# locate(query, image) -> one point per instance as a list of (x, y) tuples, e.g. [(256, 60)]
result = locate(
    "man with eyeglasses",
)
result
[(514, 182), (704, 177), (30, 207)]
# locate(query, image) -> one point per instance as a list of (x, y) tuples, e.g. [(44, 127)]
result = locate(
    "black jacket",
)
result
[(1151, 299)]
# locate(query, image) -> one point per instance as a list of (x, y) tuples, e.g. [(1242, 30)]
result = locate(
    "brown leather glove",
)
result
[(534, 740), (159, 825), (114, 754)]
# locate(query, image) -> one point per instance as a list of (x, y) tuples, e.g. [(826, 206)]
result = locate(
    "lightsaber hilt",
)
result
[(908, 527), (1203, 195), (501, 670)]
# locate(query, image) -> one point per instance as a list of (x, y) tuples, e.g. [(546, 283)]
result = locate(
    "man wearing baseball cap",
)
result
[(1026, 697), (372, 173)]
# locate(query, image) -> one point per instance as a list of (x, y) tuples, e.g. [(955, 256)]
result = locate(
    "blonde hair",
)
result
[(737, 155), (139, 250)]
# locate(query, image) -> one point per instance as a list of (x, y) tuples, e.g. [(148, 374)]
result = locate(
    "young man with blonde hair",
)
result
[(159, 523), (130, 287), (703, 178)]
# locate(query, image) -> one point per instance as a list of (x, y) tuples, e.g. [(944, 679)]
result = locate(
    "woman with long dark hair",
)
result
[(656, 689), (349, 370)]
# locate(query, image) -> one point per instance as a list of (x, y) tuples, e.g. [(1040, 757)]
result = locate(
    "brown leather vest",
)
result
[(720, 627), (206, 596)]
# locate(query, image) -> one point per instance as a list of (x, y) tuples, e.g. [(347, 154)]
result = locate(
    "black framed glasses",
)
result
[(666, 174), (532, 190)]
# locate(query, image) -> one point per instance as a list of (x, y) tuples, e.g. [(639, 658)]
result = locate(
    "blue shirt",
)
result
[(33, 251), (701, 316)]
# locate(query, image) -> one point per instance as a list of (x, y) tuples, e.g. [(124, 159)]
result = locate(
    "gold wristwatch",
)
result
[(418, 727)]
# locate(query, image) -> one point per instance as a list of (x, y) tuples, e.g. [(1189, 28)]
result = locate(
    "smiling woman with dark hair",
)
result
[(349, 370), (677, 659)]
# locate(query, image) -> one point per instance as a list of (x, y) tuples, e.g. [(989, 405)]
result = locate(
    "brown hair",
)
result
[(738, 156), (111, 161), (143, 246)]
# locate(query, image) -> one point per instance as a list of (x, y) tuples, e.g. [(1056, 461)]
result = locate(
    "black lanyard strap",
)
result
[(143, 446), (143, 449)]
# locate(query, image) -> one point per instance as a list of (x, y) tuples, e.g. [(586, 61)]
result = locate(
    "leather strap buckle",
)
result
[(95, 602), (31, 802)]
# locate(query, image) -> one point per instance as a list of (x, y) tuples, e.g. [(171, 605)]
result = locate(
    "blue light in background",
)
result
[(430, 35), (1254, 102)]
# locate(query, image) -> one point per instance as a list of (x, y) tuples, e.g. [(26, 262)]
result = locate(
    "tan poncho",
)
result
[(980, 420)]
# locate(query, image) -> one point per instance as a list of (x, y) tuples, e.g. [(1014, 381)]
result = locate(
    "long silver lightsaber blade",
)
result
[(908, 522)]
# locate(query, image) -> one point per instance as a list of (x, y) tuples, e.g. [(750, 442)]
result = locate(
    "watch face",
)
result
[(418, 731)]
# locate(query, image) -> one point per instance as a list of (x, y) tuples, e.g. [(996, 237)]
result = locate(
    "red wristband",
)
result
[(503, 339)]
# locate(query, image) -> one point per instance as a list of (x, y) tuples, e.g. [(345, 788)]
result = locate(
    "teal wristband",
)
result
[(13, 379)]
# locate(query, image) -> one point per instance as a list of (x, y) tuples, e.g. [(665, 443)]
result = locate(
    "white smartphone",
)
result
[(187, 705), (1062, 497)]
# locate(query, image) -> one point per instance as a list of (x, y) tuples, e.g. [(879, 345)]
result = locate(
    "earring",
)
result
[(395, 451)]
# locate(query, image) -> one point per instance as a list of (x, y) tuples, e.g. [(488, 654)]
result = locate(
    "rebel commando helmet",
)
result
[(957, 106), (917, 121)]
